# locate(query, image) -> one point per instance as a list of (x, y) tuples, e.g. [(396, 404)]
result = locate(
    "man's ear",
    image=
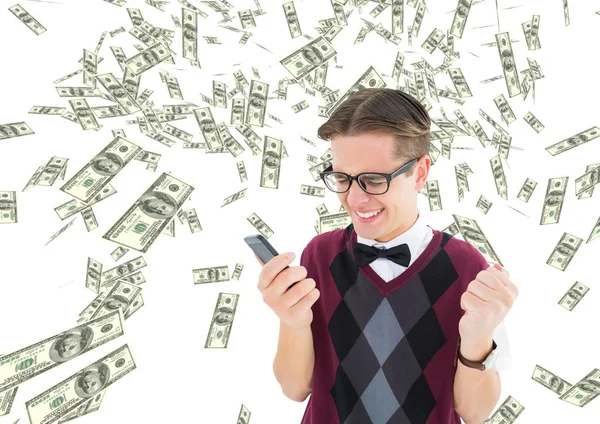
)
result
[(422, 168)]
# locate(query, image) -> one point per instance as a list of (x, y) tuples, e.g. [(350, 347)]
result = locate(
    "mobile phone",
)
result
[(263, 249)]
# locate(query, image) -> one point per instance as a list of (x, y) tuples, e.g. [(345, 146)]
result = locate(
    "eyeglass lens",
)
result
[(371, 183)]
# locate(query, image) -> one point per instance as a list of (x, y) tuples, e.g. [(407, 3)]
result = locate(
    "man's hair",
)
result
[(383, 110)]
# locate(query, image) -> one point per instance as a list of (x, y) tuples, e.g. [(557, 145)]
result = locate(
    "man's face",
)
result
[(372, 152)]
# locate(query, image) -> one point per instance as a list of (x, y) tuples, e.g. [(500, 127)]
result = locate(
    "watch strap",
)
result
[(467, 362)]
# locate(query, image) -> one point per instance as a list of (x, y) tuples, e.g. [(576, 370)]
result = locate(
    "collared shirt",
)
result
[(418, 237)]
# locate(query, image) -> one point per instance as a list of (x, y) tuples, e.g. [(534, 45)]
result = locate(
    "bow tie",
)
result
[(365, 254)]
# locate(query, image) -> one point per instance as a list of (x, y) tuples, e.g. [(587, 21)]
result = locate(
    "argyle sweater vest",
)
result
[(385, 351)]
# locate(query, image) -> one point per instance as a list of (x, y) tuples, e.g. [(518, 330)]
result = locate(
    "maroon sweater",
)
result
[(385, 351)]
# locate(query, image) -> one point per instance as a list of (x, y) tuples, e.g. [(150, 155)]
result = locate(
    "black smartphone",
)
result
[(263, 249)]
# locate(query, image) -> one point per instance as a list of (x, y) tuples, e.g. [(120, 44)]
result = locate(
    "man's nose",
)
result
[(356, 194)]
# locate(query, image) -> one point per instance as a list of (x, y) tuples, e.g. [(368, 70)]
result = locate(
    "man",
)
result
[(402, 317)]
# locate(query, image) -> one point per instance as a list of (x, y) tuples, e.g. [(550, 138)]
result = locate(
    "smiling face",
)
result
[(373, 152)]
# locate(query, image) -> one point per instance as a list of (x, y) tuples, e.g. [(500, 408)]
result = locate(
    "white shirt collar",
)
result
[(413, 236)]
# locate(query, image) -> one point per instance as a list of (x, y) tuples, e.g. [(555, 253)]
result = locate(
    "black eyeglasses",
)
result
[(370, 182)]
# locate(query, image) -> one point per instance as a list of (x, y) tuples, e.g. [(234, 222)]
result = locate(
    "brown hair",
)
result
[(383, 110)]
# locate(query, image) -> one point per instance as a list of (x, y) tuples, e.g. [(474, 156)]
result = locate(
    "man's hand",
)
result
[(486, 302)]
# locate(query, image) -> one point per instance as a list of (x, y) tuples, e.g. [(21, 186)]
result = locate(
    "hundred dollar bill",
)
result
[(260, 225), (507, 413), (461, 14), (527, 190), (243, 177), (306, 59), (211, 275), (27, 19), (419, 14), (533, 122), (89, 406), (322, 209), (90, 68), (143, 222), (369, 79), (148, 58), (247, 18), (550, 380), (238, 111), (300, 106), (397, 16), (565, 250), (587, 180), (7, 397), (230, 143), (192, 219), (588, 192), (458, 79), (499, 177), (509, 68), (483, 205), (312, 190), (93, 275), (89, 218), (14, 129), (173, 86), (219, 96), (121, 95), (235, 196), (49, 406), (220, 326), (433, 40), (89, 310), (123, 270), (237, 272), (208, 127), (462, 183), (316, 170), (101, 169), (433, 195), (595, 233), (85, 116), (257, 103), (334, 221), (8, 207), (573, 296), (189, 33), (18, 367), (75, 206), (553, 200), (291, 17), (135, 305), (118, 253), (338, 11), (271, 163), (451, 229), (47, 110), (564, 145), (472, 234), (119, 297), (585, 390), (62, 230), (244, 415), (507, 114)]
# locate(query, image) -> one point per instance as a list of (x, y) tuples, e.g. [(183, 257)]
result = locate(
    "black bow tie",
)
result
[(365, 254)]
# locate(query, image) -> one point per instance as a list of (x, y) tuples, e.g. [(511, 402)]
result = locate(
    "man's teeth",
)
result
[(368, 215)]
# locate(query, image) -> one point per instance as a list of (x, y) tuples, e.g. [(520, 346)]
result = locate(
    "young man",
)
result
[(396, 320)]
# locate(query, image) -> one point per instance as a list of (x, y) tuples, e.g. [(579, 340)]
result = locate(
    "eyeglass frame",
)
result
[(389, 177)]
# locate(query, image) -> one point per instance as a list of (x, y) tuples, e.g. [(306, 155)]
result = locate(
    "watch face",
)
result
[(491, 359)]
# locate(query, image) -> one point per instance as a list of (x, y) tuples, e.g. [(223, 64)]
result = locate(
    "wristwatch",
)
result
[(487, 363)]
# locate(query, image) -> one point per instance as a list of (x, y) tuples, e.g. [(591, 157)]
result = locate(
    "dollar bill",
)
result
[(573, 296), (123, 270), (230, 143), (75, 206), (220, 326), (473, 234), (247, 19), (369, 79), (300, 106), (291, 17), (219, 94), (243, 177), (237, 272), (565, 250), (459, 82), (310, 56), (81, 386), (271, 163), (148, 58), (550, 380), (451, 229), (533, 122), (585, 390), (18, 367), (507, 413), (461, 14), (7, 398), (587, 181), (260, 225), (192, 219), (499, 177), (14, 129), (433, 195), (8, 207), (398, 65), (595, 233), (483, 204), (89, 218), (235, 196), (47, 110), (27, 19), (238, 107), (91, 308), (142, 223), (85, 116), (527, 190), (119, 297), (571, 142), (118, 253), (121, 95), (101, 169), (309, 190), (208, 127), (257, 103), (211, 275), (89, 406), (90, 68), (462, 183), (334, 221), (93, 275), (416, 25), (511, 76), (433, 40), (553, 200), (61, 231), (135, 305), (506, 112)]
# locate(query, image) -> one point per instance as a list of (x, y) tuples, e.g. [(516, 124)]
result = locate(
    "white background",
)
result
[(42, 289)]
